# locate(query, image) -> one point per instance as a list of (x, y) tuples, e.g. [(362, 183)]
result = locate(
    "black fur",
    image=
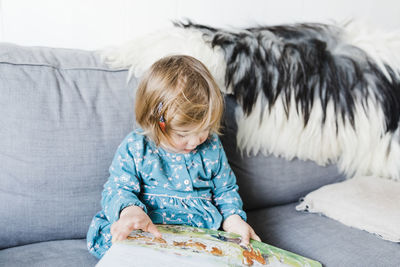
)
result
[(306, 61)]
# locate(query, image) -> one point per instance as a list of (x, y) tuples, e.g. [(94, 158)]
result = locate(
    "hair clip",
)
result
[(161, 120)]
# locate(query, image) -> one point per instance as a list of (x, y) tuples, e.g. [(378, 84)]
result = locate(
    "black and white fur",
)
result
[(313, 91)]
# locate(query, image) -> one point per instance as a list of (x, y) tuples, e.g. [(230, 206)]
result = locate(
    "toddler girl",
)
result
[(173, 170)]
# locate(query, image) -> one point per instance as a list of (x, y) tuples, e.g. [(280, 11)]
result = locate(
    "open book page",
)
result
[(190, 246)]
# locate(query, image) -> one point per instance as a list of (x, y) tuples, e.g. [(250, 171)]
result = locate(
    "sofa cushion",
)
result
[(368, 203), (268, 180), (52, 253), (62, 116), (321, 238)]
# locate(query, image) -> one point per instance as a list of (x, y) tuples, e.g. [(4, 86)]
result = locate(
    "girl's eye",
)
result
[(181, 136)]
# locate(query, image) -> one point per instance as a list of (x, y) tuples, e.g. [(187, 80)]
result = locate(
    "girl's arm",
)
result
[(228, 201), (123, 185), (225, 193)]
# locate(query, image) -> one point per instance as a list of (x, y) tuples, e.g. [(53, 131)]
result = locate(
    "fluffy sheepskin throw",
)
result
[(327, 93)]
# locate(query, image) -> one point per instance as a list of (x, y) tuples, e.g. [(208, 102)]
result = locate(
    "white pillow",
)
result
[(367, 203)]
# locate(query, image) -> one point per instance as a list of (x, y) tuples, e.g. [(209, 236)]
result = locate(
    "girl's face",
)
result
[(184, 140)]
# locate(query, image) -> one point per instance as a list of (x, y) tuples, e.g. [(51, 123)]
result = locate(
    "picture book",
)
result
[(190, 246)]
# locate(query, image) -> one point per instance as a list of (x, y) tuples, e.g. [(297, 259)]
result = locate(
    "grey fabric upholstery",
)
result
[(310, 235), (52, 253), (62, 116), (321, 238)]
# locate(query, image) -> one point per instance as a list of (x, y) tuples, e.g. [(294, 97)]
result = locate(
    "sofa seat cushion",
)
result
[(51, 253), (322, 239)]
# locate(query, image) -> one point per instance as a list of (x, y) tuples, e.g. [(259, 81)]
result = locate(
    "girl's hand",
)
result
[(132, 218), (235, 224)]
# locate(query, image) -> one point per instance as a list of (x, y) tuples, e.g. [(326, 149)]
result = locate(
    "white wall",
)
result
[(94, 24)]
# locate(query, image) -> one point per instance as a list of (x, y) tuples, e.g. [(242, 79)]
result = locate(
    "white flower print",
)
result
[(124, 178)]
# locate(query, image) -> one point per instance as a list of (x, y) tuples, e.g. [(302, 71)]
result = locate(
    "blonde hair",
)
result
[(182, 91)]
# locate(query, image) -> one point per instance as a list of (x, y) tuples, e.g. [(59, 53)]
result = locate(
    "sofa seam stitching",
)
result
[(62, 68)]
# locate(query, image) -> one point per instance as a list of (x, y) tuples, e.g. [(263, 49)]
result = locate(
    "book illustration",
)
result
[(206, 247)]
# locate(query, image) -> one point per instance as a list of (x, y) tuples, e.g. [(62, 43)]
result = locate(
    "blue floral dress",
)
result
[(197, 189)]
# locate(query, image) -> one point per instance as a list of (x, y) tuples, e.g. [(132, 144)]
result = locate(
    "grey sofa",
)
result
[(63, 114)]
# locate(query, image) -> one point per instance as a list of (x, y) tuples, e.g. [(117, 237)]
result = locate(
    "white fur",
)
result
[(363, 150), (139, 54), (382, 46)]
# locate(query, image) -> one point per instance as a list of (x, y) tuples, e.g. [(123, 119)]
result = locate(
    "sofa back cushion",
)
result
[(62, 116), (268, 180)]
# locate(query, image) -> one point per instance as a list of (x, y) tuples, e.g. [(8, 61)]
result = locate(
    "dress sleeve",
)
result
[(123, 186), (225, 192)]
